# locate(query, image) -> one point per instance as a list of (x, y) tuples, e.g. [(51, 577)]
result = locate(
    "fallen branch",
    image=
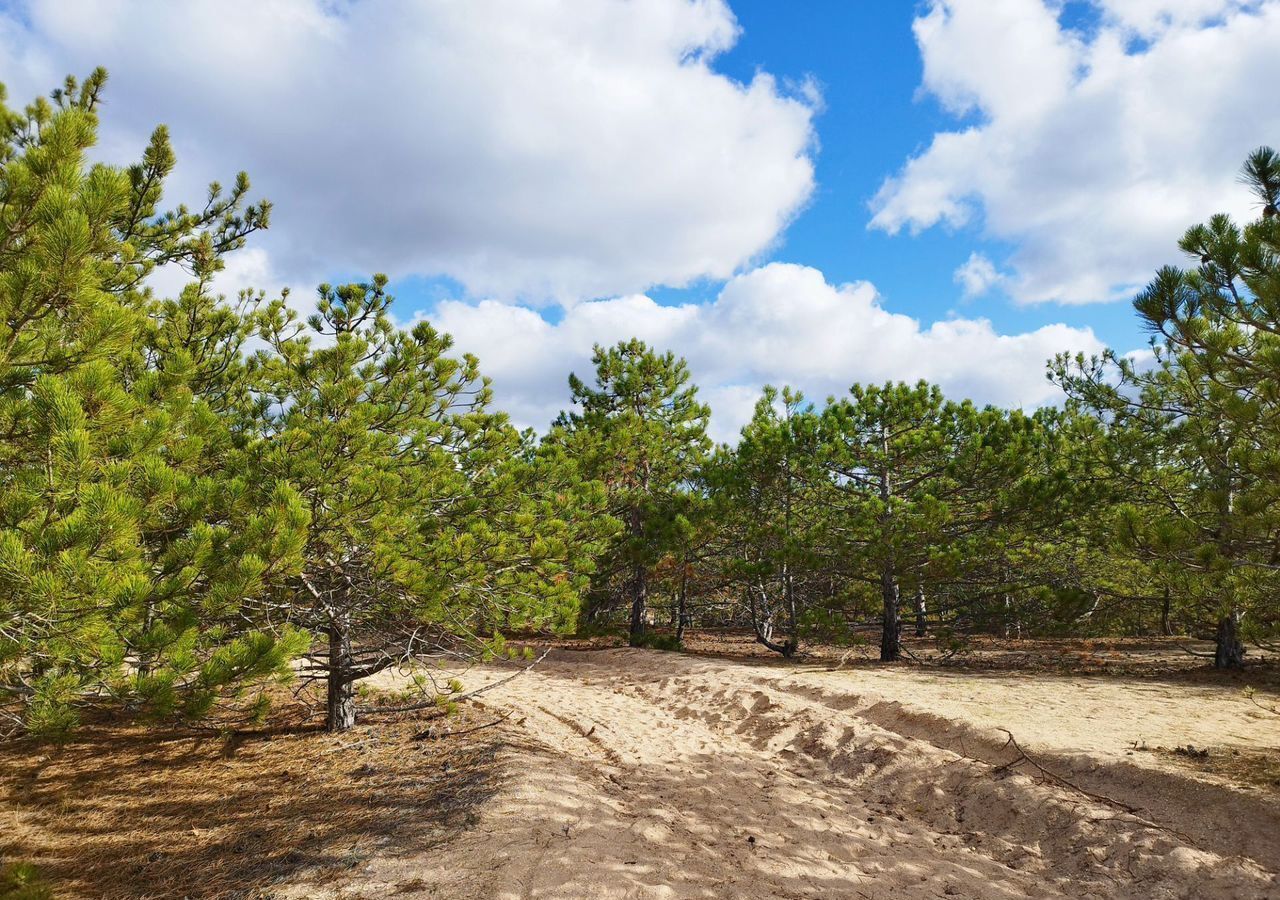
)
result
[(1053, 776), (1200, 653), (1250, 694), (430, 734), (426, 704), (1057, 779)]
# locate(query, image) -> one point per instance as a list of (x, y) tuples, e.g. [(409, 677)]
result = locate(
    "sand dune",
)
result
[(637, 774)]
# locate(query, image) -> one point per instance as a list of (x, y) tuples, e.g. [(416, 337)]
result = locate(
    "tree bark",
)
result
[(763, 625), (921, 624), (891, 626), (1229, 649), (1012, 626), (682, 608), (639, 597), (341, 689), (1166, 626)]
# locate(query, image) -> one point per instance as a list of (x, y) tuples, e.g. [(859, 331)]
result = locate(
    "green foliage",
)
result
[(433, 524), (132, 526), (765, 495), (196, 491), (22, 881), (1191, 444), (655, 640), (641, 432)]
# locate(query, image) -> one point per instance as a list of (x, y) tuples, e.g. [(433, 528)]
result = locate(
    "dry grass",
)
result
[(126, 811)]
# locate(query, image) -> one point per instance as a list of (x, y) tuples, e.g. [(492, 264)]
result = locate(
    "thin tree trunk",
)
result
[(639, 580), (1012, 626), (639, 597), (921, 624), (763, 625), (682, 609), (788, 579), (793, 616), (891, 626), (1166, 626), (1229, 649), (341, 689)]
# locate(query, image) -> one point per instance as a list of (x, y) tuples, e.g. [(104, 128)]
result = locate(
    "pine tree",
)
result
[(1195, 439), (642, 433), (929, 495), (121, 564), (432, 522), (764, 496)]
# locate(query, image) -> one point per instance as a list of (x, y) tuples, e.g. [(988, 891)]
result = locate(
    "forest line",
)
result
[(200, 497)]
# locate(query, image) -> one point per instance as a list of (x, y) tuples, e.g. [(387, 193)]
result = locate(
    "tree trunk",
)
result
[(891, 627), (639, 596), (921, 625), (682, 608), (793, 613), (1012, 626), (1166, 626), (341, 689), (1229, 649), (763, 625)]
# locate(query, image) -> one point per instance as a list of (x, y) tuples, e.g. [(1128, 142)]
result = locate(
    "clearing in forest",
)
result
[(637, 773), (634, 773)]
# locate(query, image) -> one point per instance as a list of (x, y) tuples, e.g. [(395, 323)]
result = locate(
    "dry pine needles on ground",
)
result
[(123, 810)]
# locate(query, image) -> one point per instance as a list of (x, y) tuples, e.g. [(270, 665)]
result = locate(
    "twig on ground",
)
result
[(427, 704), (1053, 776), (1099, 798), (1250, 694), (429, 734)]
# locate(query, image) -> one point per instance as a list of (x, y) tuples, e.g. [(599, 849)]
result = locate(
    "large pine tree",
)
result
[(128, 536), (432, 522), (1192, 442), (641, 431)]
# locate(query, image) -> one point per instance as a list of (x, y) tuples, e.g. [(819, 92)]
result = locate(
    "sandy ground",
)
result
[(640, 774)]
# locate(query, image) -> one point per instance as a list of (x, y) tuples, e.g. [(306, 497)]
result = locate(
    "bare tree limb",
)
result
[(427, 704)]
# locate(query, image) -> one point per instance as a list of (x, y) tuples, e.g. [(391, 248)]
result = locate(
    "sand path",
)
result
[(637, 774)]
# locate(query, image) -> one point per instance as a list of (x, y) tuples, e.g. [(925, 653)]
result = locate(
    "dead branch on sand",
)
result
[(427, 704), (432, 734), (1053, 777)]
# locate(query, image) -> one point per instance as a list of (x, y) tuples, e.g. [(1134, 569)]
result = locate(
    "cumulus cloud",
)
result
[(1148, 17), (778, 324), (977, 275), (542, 149), (1091, 153)]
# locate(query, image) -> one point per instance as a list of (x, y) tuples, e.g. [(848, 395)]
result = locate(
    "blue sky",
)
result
[(874, 116), (812, 193)]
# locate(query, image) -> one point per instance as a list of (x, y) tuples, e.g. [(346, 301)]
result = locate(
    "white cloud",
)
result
[(779, 324), (1090, 154), (977, 275), (547, 149), (247, 268), (1148, 17)]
